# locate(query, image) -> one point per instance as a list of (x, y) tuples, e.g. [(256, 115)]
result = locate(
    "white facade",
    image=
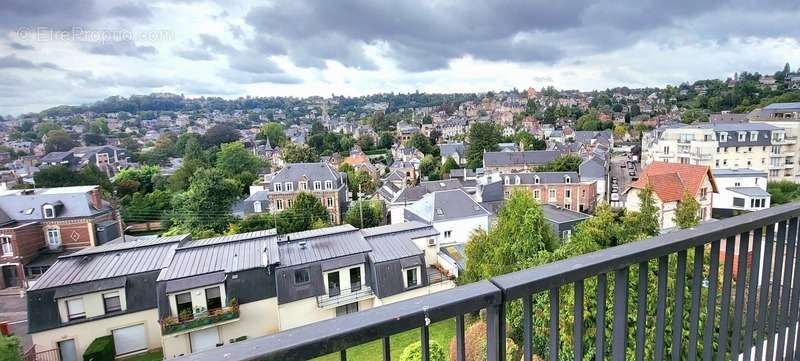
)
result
[(741, 189)]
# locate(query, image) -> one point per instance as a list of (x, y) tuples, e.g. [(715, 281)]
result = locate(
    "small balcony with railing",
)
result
[(188, 322), (340, 297), (723, 290)]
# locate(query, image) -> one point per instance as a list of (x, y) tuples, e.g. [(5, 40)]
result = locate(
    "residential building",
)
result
[(783, 161), (405, 131), (319, 179), (562, 189), (595, 169), (514, 162), (563, 221), (185, 296), (457, 151), (37, 225), (453, 213), (739, 190), (397, 199), (105, 157), (670, 182)]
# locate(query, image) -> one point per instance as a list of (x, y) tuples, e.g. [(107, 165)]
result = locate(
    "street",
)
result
[(13, 310), (622, 176)]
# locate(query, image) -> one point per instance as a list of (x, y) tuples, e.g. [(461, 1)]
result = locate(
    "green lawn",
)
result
[(150, 356), (441, 332)]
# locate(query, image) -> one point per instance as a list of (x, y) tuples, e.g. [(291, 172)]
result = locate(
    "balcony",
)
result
[(336, 297), (172, 325), (727, 305)]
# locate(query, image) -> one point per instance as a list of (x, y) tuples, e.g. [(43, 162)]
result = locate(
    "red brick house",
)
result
[(37, 225)]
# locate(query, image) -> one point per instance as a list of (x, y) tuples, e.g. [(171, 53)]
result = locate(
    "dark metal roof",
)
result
[(749, 191), (562, 215), (188, 283), (222, 254), (126, 242), (394, 241), (322, 244), (89, 287)]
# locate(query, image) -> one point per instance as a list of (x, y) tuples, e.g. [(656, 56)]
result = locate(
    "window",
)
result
[(329, 202), (516, 180), (289, 187), (536, 179), (723, 137), (742, 136), (737, 184), (289, 203), (355, 279), (565, 235), (347, 309), (6, 245), (334, 286), (551, 197), (111, 302), (567, 206), (213, 298), (447, 234), (567, 179), (302, 185), (257, 206), (75, 309), (328, 184), (537, 194), (183, 303), (506, 194), (301, 276), (278, 187), (568, 193), (49, 211), (317, 185), (507, 181), (411, 277), (279, 204), (753, 136), (703, 193), (54, 238)]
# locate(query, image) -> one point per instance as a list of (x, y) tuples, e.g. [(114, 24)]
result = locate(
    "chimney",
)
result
[(96, 199)]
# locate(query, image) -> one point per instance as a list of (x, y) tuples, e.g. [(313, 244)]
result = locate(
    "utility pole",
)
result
[(361, 206)]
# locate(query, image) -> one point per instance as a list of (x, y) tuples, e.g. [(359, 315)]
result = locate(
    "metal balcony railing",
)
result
[(337, 297), (749, 301), (171, 324)]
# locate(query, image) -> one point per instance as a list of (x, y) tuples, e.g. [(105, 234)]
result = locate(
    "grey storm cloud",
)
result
[(59, 14), (13, 62), (426, 35), (120, 48)]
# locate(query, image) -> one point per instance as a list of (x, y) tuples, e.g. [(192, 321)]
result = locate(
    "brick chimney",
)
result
[(95, 198)]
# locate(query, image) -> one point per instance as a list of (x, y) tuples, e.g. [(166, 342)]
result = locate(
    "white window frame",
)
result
[(48, 208), (567, 179), (448, 234), (537, 194), (7, 247), (328, 185), (78, 315), (753, 136), (54, 234), (517, 180), (289, 186), (418, 273), (303, 185), (552, 195), (112, 295), (507, 181), (317, 185), (257, 207), (277, 187), (289, 203), (279, 204), (329, 202), (536, 179)]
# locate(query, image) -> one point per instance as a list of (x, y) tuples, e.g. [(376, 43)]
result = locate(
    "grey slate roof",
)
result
[(72, 202), (749, 191), (562, 215), (446, 205), (222, 254), (783, 106), (592, 168), (129, 242), (741, 172), (198, 281), (392, 242), (56, 157), (447, 149), (531, 157), (544, 177), (413, 194), (293, 172)]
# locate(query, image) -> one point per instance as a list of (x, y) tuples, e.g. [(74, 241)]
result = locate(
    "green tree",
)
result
[(783, 191), (564, 163), (60, 176), (299, 153), (371, 211), (413, 352), (421, 143), (145, 176), (483, 137), (304, 212), (427, 166), (386, 140), (206, 204), (10, 348), (273, 132), (529, 141), (694, 116), (140, 207), (644, 223), (448, 165), (254, 222), (237, 163), (42, 129), (219, 134), (59, 140), (687, 215)]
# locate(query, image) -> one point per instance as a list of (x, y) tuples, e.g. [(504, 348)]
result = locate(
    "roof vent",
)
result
[(302, 244), (439, 211)]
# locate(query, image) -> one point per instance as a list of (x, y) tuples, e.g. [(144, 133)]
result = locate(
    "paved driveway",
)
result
[(13, 310)]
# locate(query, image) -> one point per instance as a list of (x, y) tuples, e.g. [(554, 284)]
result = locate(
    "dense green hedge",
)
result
[(101, 349)]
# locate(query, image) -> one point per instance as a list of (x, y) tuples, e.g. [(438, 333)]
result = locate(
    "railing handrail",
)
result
[(547, 276)]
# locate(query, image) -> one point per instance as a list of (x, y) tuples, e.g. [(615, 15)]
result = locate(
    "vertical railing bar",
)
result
[(788, 272), (641, 310), (697, 290), (763, 298), (424, 338), (496, 332), (755, 261), (577, 328), (661, 307), (553, 336), (775, 293), (711, 302), (741, 280), (620, 323), (724, 309), (460, 344), (677, 315), (795, 305), (600, 334), (527, 327), (343, 355)]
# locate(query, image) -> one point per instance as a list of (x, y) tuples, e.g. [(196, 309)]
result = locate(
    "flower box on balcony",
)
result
[(172, 325)]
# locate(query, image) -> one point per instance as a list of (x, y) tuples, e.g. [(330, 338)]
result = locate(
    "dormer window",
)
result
[(753, 136), (289, 187), (317, 185), (567, 179), (536, 179), (516, 180), (278, 187), (507, 181), (302, 185), (328, 185), (49, 211), (742, 136), (723, 137)]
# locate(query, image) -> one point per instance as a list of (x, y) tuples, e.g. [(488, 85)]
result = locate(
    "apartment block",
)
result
[(319, 179)]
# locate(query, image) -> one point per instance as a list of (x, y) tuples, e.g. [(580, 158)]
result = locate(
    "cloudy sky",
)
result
[(74, 52)]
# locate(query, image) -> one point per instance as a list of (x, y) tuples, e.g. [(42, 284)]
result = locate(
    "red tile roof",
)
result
[(670, 180)]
